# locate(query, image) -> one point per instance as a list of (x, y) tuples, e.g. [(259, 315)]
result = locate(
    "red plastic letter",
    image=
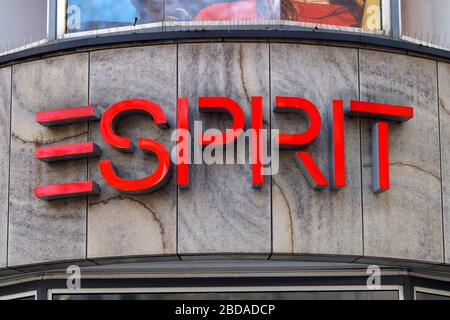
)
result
[(380, 135), (183, 143), (310, 170), (337, 150), (67, 116), (109, 122), (68, 152), (294, 141), (146, 185), (117, 111), (380, 111), (223, 105), (257, 142), (67, 190), (305, 108), (380, 155)]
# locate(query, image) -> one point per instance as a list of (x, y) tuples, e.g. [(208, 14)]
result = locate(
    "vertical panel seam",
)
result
[(88, 139), (176, 177), (270, 150), (440, 161), (361, 157), (9, 163)]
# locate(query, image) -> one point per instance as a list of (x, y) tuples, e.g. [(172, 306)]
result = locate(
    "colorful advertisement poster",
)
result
[(83, 15), (364, 14)]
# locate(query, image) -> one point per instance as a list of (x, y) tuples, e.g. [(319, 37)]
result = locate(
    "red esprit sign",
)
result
[(384, 114)]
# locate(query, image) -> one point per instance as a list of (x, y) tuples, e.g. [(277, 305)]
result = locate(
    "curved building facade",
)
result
[(355, 207)]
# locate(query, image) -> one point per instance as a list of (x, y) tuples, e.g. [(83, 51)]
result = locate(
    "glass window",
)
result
[(427, 21), (222, 10), (430, 294), (349, 13), (22, 22), (84, 15), (307, 295), (365, 14), (20, 296)]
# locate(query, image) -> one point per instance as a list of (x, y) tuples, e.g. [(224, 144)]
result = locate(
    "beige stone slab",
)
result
[(124, 225), (42, 231)]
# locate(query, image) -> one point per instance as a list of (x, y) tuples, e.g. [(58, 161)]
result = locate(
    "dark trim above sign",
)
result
[(344, 37)]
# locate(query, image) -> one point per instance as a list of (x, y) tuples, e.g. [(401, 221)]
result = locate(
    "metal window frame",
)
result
[(20, 295), (61, 9), (394, 18), (218, 25), (247, 289), (119, 281), (425, 290), (192, 25), (391, 26), (386, 16), (412, 39), (51, 19), (50, 33)]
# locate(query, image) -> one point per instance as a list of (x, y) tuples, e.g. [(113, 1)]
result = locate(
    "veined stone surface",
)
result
[(5, 112), (42, 231), (221, 213), (406, 221), (306, 221), (124, 225), (444, 114)]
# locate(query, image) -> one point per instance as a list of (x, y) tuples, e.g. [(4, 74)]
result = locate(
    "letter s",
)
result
[(109, 123)]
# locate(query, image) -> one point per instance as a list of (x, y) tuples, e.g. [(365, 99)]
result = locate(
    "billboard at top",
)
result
[(85, 15), (427, 21)]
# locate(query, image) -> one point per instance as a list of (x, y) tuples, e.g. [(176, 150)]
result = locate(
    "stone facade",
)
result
[(306, 221), (5, 119), (147, 223), (444, 116), (221, 215), (406, 221)]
